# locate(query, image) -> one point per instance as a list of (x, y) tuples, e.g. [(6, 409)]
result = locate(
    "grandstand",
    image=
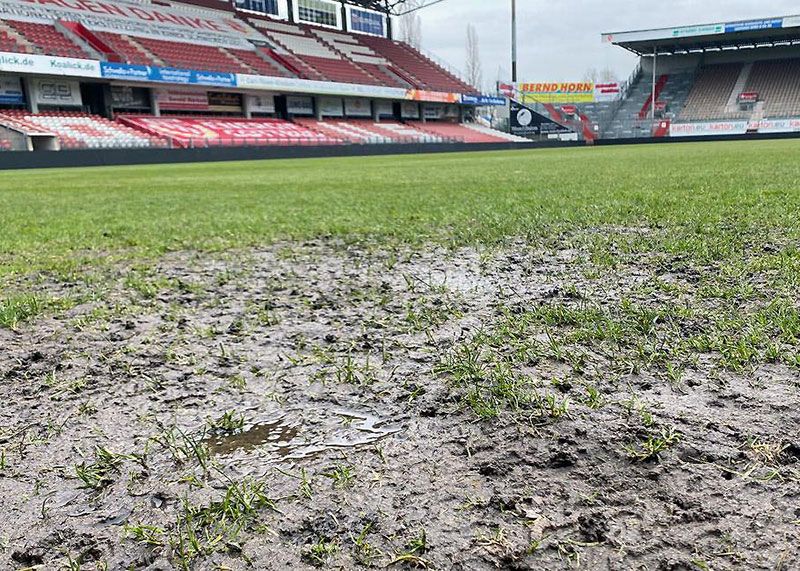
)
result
[(722, 78), (229, 73)]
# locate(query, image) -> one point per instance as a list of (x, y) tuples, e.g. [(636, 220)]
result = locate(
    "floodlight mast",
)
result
[(513, 41)]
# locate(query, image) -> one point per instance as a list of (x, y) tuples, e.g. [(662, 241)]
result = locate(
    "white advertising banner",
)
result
[(317, 87), (56, 92), (48, 65), (710, 128), (262, 103), (148, 20), (331, 106), (360, 108), (775, 125)]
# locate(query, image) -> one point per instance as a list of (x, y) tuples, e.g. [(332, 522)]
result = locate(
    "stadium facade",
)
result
[(77, 74), (101, 74)]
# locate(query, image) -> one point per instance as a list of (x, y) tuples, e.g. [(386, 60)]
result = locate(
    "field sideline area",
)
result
[(581, 358)]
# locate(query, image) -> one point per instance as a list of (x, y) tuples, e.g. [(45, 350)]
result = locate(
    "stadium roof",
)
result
[(743, 34)]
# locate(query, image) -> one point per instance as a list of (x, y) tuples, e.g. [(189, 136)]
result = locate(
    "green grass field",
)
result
[(551, 359), (714, 198)]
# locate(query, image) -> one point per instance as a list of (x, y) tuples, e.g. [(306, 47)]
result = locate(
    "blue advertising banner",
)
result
[(482, 100), (367, 22), (110, 70), (261, 6), (753, 25), (11, 91)]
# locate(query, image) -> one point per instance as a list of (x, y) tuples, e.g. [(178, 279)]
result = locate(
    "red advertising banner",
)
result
[(748, 97)]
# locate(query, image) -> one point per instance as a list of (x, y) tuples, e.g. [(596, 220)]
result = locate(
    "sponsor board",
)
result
[(48, 65), (709, 128), (224, 102), (326, 13), (735, 127), (432, 96), (147, 20), (752, 25), (182, 100), (56, 92), (775, 125), (527, 122), (748, 97), (483, 100), (568, 92), (127, 97), (123, 71), (363, 21), (278, 8), (11, 91)]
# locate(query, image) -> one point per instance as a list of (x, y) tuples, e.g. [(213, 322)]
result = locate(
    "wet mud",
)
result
[(319, 405)]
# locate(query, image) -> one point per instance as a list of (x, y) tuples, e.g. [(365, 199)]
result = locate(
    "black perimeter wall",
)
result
[(118, 157)]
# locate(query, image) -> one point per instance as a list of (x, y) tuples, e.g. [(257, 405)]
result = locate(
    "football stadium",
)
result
[(280, 289)]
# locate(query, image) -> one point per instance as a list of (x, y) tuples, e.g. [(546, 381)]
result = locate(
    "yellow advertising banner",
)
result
[(565, 92)]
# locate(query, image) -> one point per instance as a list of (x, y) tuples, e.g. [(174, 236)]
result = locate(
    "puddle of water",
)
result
[(302, 438), (277, 434)]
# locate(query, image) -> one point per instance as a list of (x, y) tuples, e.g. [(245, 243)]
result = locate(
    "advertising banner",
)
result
[(48, 65), (277, 8), (300, 105), (331, 106), (573, 92), (124, 71), (526, 122), (262, 103), (268, 83), (710, 128), (136, 19), (11, 91), (327, 13), (359, 108), (748, 97), (182, 100), (482, 100), (751, 25), (607, 92), (56, 92), (775, 126), (224, 102), (434, 96), (368, 22), (126, 97)]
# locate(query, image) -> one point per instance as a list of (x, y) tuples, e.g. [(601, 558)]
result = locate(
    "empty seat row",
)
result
[(78, 130)]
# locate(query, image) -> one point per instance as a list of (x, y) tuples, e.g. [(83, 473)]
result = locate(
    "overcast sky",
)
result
[(560, 39)]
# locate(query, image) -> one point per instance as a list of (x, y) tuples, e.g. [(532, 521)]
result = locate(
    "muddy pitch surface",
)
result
[(313, 405)]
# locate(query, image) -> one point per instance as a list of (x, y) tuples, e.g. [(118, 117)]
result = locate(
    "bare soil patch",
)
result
[(321, 405)]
